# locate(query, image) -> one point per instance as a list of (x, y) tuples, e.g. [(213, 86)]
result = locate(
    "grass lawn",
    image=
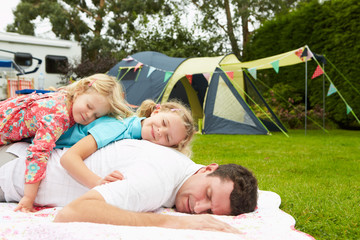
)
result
[(317, 176)]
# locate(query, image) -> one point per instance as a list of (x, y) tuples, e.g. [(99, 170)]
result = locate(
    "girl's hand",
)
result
[(25, 205), (112, 177)]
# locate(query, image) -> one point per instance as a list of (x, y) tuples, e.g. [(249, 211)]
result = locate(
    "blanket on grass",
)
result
[(266, 222)]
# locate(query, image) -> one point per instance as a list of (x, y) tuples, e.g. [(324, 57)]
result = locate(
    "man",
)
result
[(154, 176)]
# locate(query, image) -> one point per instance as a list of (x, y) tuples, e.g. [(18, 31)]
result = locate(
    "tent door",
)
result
[(185, 92)]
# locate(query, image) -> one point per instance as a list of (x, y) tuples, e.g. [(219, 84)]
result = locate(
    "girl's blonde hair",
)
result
[(148, 106), (104, 85)]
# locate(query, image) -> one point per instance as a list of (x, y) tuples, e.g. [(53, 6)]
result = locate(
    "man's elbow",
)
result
[(65, 215)]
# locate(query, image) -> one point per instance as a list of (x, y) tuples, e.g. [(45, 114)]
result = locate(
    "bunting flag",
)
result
[(128, 59), (189, 77), (332, 89), (348, 109), (151, 69), (252, 71), (318, 72), (167, 76), (306, 53), (299, 53), (309, 56), (230, 75), (275, 65), (139, 65), (319, 58), (207, 76)]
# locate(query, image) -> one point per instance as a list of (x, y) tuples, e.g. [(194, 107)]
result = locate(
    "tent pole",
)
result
[(305, 95), (323, 114)]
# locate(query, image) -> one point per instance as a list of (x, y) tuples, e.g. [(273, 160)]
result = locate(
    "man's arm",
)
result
[(91, 207)]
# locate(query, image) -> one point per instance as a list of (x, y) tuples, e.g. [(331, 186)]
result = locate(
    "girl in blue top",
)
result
[(169, 124)]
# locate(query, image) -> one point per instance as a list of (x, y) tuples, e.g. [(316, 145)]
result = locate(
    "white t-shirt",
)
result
[(153, 175)]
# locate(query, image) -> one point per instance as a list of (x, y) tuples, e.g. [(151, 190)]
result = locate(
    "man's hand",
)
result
[(112, 177), (202, 222), (25, 205)]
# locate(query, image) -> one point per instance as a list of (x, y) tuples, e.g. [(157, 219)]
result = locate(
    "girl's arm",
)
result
[(26, 203), (73, 162)]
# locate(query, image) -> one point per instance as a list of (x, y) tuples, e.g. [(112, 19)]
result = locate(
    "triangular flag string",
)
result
[(151, 70), (299, 53), (189, 77), (348, 109), (309, 56), (167, 76), (138, 65), (318, 72), (230, 75), (128, 59), (338, 92), (332, 89), (275, 65), (207, 76), (306, 53), (241, 90), (252, 71)]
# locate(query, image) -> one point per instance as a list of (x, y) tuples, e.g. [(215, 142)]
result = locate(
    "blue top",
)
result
[(105, 130)]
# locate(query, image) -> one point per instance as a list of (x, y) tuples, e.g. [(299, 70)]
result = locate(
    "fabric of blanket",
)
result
[(266, 222)]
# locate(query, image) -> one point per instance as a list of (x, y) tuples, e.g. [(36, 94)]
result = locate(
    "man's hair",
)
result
[(243, 198)]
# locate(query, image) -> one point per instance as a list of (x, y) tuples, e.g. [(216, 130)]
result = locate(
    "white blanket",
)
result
[(266, 222)]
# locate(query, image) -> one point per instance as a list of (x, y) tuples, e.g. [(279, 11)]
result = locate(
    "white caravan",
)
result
[(28, 53)]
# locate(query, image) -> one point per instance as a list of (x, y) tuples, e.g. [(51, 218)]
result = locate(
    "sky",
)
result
[(6, 16), (43, 28)]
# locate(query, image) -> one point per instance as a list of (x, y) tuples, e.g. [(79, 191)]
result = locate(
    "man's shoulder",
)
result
[(152, 150)]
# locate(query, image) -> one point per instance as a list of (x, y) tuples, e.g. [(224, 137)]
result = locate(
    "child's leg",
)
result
[(4, 158)]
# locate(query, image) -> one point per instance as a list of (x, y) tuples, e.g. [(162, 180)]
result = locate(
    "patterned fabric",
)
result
[(267, 222), (44, 117)]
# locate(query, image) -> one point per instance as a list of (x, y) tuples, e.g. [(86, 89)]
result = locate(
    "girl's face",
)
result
[(89, 106), (164, 128)]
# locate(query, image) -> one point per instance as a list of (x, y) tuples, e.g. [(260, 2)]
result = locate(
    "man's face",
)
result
[(202, 194)]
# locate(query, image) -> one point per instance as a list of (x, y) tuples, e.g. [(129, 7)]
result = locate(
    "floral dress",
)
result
[(44, 117)]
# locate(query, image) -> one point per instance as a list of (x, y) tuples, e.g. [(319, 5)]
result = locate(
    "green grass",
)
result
[(317, 176)]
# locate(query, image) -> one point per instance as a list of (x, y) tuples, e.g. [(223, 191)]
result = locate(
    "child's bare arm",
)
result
[(73, 162)]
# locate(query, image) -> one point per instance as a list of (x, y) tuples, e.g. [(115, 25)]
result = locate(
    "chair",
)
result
[(19, 83)]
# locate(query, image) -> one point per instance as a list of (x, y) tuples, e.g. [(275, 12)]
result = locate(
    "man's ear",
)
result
[(209, 168)]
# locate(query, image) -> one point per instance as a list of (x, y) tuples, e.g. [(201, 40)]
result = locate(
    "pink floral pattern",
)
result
[(267, 222), (44, 117)]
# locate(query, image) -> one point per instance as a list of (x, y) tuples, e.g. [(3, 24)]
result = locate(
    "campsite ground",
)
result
[(317, 175)]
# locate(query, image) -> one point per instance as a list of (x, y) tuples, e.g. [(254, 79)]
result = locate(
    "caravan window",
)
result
[(23, 59), (56, 64)]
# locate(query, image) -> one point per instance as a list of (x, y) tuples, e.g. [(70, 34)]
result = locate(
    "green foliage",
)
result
[(176, 41), (101, 27), (331, 29), (318, 184), (230, 20)]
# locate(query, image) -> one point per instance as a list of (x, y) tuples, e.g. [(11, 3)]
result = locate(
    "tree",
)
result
[(100, 26), (238, 15), (331, 29)]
